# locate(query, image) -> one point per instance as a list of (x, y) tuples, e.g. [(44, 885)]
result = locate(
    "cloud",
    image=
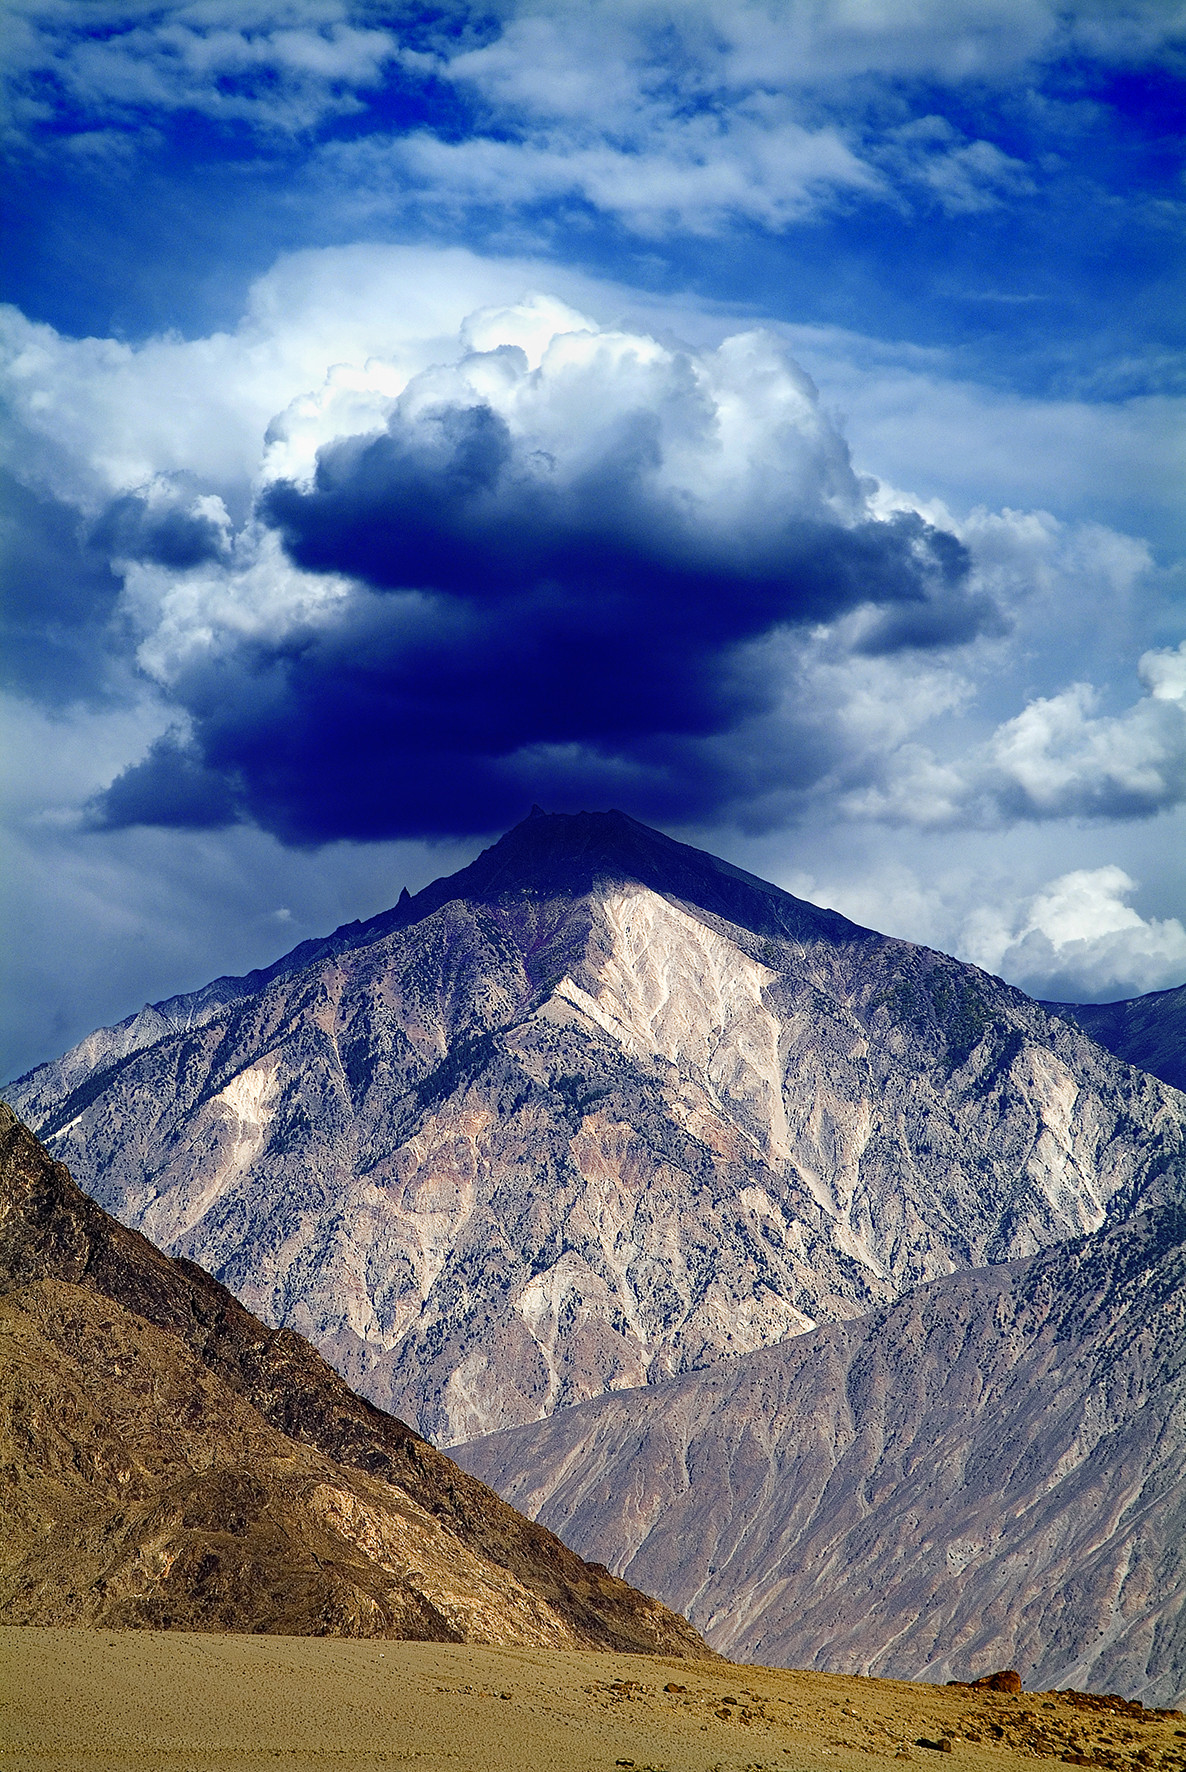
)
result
[(169, 786), (162, 524), (277, 64), (1078, 940), (695, 117), (964, 177), (440, 530), (1059, 758), (695, 175), (557, 574), (57, 638)]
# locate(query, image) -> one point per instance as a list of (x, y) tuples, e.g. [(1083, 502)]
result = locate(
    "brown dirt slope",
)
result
[(167, 1461)]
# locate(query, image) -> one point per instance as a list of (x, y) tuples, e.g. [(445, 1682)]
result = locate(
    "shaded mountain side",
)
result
[(989, 1472), (169, 1461), (597, 1110), (1149, 1031)]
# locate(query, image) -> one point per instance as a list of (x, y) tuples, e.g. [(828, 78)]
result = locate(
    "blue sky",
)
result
[(766, 417)]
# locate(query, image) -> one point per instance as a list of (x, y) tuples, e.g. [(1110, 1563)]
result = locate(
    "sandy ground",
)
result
[(94, 1701)]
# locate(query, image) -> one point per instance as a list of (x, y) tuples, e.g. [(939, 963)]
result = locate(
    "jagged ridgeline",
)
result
[(597, 1110), (171, 1463)]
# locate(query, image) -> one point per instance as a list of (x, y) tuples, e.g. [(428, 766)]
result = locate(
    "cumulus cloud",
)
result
[(544, 559), (554, 562), (1079, 940), (1060, 757)]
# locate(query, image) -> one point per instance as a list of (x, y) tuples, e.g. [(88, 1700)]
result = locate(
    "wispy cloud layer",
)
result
[(274, 64)]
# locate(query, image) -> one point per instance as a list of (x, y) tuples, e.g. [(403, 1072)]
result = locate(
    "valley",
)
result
[(97, 1702)]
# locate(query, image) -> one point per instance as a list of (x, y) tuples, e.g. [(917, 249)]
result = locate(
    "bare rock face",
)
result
[(989, 1472), (170, 1462), (593, 1112)]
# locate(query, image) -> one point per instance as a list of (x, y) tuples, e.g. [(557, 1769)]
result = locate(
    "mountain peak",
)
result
[(551, 854)]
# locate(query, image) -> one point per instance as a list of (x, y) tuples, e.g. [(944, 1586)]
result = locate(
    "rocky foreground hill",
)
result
[(167, 1461), (595, 1111), (990, 1471)]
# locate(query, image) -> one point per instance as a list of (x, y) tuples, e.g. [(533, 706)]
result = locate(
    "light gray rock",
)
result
[(990, 1472), (595, 1111)]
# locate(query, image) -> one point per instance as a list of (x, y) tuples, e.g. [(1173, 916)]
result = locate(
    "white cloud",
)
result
[(279, 64), (915, 419), (609, 68), (1060, 757), (1077, 939), (96, 416), (693, 115), (695, 174), (963, 176)]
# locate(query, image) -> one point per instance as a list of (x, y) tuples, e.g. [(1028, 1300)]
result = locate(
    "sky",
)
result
[(763, 416)]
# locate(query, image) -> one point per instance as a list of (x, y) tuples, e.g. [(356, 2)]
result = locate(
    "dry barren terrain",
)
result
[(95, 1701)]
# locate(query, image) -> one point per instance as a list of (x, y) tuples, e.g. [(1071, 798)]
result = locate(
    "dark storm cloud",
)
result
[(59, 596), (166, 534), (170, 786), (512, 625)]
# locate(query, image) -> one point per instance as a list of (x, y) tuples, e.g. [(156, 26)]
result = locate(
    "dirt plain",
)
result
[(156, 1701)]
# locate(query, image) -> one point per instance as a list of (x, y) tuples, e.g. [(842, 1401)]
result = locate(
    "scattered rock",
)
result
[(1007, 1679)]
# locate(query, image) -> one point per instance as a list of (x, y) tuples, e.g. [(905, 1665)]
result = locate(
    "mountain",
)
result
[(170, 1462), (989, 1472), (1149, 1031), (594, 1111)]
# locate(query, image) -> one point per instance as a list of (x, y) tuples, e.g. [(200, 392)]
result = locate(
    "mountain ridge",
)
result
[(556, 1131), (989, 1470), (506, 865), (1149, 1031)]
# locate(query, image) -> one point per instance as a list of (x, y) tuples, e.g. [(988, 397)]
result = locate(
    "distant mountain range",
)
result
[(1148, 1031), (989, 1472), (170, 1462), (594, 1112)]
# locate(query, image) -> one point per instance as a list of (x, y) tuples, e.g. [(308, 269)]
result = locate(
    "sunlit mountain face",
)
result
[(597, 1110), (762, 419)]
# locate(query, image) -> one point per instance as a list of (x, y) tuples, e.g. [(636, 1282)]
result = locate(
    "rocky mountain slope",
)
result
[(594, 1111), (168, 1461), (989, 1472), (1149, 1031)]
